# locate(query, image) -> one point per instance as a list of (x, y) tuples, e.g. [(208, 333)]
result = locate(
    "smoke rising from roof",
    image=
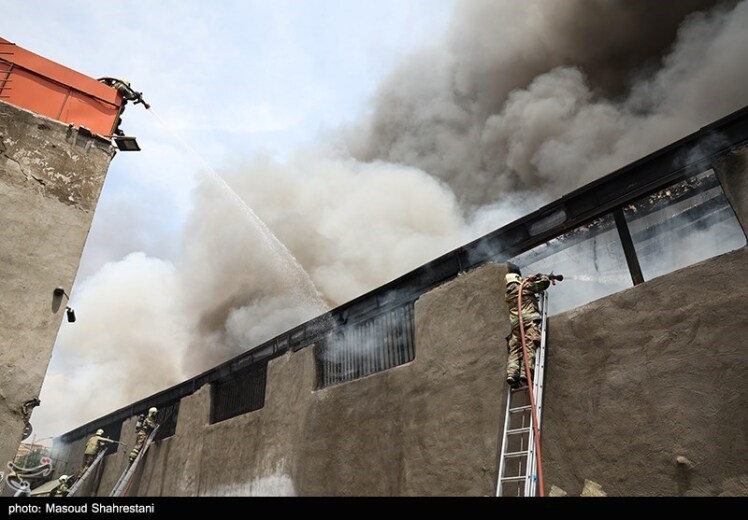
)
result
[(548, 95), (522, 102)]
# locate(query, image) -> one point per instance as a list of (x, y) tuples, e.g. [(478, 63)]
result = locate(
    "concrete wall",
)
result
[(50, 180), (644, 376), (429, 427), (634, 381), (732, 170)]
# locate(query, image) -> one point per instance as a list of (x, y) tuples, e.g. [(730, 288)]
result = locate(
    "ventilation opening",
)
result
[(354, 351), (239, 393)]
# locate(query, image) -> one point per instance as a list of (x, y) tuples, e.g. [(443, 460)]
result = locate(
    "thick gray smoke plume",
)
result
[(522, 102), (546, 95)]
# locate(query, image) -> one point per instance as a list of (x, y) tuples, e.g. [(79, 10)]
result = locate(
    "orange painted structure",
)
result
[(42, 86)]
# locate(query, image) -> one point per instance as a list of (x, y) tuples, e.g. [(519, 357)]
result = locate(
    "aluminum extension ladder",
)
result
[(89, 471), (124, 479), (518, 464)]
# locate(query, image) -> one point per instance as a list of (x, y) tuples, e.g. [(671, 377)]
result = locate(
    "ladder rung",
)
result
[(518, 431), (520, 409), (516, 454), (514, 479)]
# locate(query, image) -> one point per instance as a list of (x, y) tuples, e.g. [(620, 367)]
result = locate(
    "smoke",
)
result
[(546, 95), (522, 102), (128, 342)]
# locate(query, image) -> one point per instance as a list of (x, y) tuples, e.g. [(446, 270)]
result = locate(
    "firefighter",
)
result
[(62, 488), (143, 428), (128, 94), (531, 317), (94, 444)]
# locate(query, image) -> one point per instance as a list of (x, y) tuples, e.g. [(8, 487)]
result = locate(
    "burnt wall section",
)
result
[(50, 179)]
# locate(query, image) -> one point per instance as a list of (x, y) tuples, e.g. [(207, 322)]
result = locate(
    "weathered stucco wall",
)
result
[(426, 428), (50, 180), (644, 376), (732, 170), (429, 427), (634, 381)]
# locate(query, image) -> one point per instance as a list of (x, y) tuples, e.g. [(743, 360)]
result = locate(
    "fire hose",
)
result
[(528, 374)]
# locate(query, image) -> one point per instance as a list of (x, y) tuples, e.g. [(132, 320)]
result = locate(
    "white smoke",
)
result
[(128, 342), (523, 102)]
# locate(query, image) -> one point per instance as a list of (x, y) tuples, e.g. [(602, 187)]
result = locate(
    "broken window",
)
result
[(682, 224), (590, 257), (167, 420)]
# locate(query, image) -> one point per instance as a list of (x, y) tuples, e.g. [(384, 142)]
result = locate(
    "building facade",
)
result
[(402, 390), (52, 170)]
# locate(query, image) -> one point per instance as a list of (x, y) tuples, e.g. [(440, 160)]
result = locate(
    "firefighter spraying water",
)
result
[(516, 375)]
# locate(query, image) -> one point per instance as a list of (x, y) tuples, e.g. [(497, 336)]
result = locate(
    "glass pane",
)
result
[(683, 224), (591, 259)]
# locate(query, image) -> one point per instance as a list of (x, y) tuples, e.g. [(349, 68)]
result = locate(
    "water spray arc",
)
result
[(293, 268)]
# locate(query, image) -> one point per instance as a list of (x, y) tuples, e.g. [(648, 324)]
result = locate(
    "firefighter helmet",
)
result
[(63, 478), (152, 410), (513, 268), (513, 278), (99, 432)]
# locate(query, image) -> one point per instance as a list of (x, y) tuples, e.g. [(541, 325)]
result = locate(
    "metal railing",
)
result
[(240, 393), (354, 351)]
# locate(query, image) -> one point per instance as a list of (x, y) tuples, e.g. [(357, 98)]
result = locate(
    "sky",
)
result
[(333, 145)]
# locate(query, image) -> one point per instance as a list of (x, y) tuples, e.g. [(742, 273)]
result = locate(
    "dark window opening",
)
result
[(166, 418), (354, 351), (239, 393), (111, 431)]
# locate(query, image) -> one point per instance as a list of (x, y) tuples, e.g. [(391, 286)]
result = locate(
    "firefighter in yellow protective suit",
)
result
[(531, 317), (143, 429), (94, 444), (128, 94), (62, 488)]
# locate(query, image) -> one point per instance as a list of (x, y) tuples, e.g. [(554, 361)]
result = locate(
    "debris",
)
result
[(556, 491), (592, 489)]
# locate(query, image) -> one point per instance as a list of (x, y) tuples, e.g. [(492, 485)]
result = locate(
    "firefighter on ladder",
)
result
[(62, 488), (94, 444), (531, 317), (143, 428)]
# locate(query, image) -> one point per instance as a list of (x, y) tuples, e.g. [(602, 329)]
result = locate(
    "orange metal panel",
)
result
[(56, 91), (36, 93), (56, 72), (82, 110)]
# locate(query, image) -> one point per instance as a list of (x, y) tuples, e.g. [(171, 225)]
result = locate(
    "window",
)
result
[(590, 257), (354, 351), (239, 393), (167, 419), (682, 224), (111, 431)]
